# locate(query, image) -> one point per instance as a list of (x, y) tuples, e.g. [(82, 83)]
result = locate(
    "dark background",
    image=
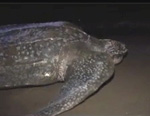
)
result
[(97, 19), (128, 94)]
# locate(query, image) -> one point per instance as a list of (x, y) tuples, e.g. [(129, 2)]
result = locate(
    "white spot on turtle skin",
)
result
[(38, 53), (27, 53), (65, 105), (49, 49), (31, 55), (62, 108), (30, 48), (47, 43), (64, 40), (14, 56), (100, 63), (18, 48), (27, 83), (18, 53), (80, 35), (32, 51), (1, 54), (59, 38), (67, 30), (7, 85), (22, 52), (19, 43), (44, 61), (59, 44), (4, 58), (75, 34), (51, 38), (47, 74), (41, 45), (25, 58), (24, 47), (46, 55)]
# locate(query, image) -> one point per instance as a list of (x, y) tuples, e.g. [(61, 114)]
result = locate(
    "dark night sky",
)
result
[(94, 18)]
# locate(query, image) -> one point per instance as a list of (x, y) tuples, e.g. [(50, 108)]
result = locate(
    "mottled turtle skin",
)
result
[(44, 53)]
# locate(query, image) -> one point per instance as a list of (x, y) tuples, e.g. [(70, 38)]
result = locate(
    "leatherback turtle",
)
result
[(44, 53)]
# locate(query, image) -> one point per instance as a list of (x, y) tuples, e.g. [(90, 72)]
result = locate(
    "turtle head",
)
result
[(115, 49)]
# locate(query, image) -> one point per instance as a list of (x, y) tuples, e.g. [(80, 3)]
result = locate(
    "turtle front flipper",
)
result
[(83, 77)]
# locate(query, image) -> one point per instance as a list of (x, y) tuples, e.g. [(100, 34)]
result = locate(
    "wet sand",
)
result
[(126, 95)]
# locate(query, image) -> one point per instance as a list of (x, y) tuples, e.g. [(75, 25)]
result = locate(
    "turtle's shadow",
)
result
[(29, 86)]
